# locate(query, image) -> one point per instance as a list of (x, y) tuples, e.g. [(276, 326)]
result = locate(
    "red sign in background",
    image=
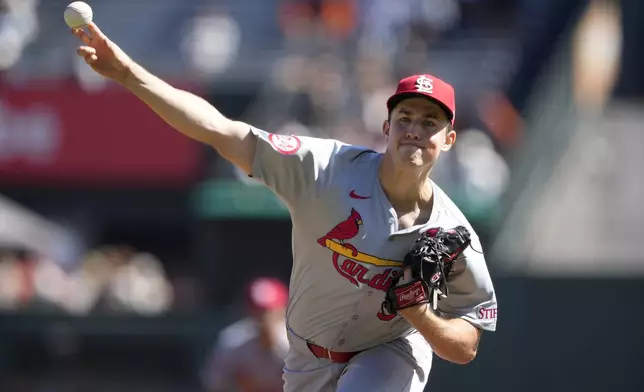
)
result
[(60, 134)]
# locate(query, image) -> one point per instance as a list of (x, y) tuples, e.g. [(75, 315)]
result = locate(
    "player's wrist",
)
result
[(416, 311), (128, 77)]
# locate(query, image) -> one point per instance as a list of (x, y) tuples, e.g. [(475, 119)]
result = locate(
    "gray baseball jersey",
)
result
[(347, 247), (240, 363)]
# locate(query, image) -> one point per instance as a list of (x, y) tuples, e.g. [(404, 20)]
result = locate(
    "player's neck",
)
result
[(407, 189)]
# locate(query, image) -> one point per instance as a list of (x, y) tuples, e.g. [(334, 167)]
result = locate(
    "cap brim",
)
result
[(397, 98)]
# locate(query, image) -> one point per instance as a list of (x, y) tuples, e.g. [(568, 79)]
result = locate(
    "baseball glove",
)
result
[(431, 260)]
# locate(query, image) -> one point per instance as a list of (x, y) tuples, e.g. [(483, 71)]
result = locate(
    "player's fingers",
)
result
[(89, 59), (95, 31), (86, 51), (82, 35)]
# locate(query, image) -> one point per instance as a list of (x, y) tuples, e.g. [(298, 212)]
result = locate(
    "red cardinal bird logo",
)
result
[(344, 230)]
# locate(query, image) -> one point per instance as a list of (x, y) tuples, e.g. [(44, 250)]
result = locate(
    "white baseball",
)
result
[(78, 15)]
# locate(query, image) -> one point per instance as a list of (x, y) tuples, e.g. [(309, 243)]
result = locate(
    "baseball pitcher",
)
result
[(386, 269)]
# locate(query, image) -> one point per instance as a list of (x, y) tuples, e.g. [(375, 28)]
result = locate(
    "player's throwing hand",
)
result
[(103, 55)]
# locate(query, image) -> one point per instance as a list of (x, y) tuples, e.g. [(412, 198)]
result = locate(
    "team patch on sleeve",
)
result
[(285, 144)]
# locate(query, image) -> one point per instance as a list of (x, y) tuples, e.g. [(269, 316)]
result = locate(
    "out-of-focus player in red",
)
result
[(249, 354)]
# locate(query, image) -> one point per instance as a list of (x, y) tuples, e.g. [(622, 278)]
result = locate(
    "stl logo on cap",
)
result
[(425, 84)]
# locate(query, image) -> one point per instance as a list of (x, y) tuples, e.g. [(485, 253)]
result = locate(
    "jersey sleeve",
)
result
[(471, 292), (294, 167)]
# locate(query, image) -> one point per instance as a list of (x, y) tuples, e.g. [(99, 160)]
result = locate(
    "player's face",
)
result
[(417, 132)]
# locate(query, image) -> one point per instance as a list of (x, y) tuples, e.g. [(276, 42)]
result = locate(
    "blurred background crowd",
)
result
[(125, 248)]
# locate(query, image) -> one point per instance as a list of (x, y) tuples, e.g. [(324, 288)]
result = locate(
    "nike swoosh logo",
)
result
[(353, 195)]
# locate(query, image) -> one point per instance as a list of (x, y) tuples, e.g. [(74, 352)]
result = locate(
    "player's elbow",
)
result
[(458, 355), (465, 357), (236, 143)]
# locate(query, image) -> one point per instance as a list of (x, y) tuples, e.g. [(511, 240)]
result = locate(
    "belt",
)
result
[(333, 356)]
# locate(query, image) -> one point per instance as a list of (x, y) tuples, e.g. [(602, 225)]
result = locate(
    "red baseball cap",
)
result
[(266, 293), (428, 86)]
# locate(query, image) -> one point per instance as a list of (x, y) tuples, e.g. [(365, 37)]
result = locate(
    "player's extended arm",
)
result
[(454, 340), (187, 113), (194, 117)]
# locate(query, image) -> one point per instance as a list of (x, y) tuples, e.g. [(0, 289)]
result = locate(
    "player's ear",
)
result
[(450, 139), (385, 129)]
